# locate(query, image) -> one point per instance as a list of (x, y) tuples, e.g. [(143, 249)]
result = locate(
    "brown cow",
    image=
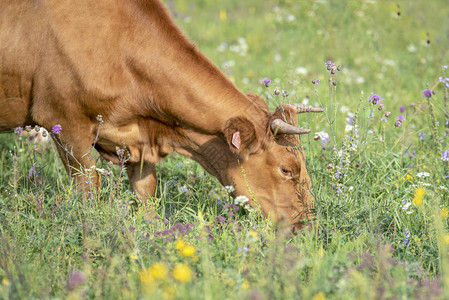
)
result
[(67, 61)]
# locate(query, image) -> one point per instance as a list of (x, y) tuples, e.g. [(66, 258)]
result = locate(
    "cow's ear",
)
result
[(241, 137)]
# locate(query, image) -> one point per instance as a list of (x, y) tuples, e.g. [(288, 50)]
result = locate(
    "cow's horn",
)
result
[(302, 108), (279, 126)]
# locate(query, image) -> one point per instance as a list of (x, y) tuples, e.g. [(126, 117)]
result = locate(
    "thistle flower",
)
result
[(427, 93), (276, 91), (266, 81), (401, 109), (56, 129), (374, 98)]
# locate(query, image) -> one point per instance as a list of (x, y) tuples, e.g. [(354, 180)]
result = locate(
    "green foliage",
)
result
[(381, 190)]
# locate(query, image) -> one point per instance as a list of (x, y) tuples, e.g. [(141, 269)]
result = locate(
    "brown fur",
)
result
[(67, 61)]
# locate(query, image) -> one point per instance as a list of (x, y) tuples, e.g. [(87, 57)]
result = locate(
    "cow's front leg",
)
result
[(142, 177), (79, 163)]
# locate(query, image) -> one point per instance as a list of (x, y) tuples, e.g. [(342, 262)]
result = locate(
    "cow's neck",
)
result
[(181, 83)]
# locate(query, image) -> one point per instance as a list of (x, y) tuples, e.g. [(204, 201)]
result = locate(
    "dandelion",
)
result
[(56, 129), (188, 251), (158, 271), (182, 273), (374, 98), (319, 296), (418, 196), (427, 93), (444, 212), (5, 281), (446, 239), (145, 277)]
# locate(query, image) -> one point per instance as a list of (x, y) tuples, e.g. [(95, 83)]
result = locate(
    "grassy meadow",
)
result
[(379, 169)]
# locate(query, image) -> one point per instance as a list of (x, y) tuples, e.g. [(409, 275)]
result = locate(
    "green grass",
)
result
[(55, 243)]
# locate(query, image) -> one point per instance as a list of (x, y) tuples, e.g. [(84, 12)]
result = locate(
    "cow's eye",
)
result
[(286, 171)]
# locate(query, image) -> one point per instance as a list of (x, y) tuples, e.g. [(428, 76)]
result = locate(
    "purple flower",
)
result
[(402, 109), (329, 64), (132, 228), (266, 81), (75, 279), (18, 130), (445, 156), (349, 120), (427, 93), (401, 118), (397, 123), (56, 129), (316, 81), (422, 136), (374, 98), (407, 238)]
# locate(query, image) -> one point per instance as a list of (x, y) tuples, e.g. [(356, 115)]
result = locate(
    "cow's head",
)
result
[(268, 169)]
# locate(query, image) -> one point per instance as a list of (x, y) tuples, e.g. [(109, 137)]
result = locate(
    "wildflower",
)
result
[(387, 114), (285, 93), (276, 91), (401, 109), (446, 239), (18, 130), (229, 188), (5, 281), (380, 107), (444, 212), (244, 250), (245, 285), (418, 196), (100, 119), (182, 273), (374, 98), (158, 271), (407, 238), (266, 81), (146, 277), (188, 251), (423, 174), (56, 129), (319, 296), (253, 233), (427, 93), (329, 64), (445, 156), (422, 136), (316, 81), (75, 279), (323, 137), (444, 80), (132, 256), (241, 200)]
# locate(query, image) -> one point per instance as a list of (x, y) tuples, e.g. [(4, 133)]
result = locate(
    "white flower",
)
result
[(406, 205), (229, 188), (423, 174), (241, 200)]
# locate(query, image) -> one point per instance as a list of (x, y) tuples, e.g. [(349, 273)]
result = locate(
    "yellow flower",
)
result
[(446, 239), (132, 256), (179, 245), (158, 270), (245, 285), (418, 196), (188, 250), (5, 281), (424, 167), (145, 277), (182, 273), (444, 212), (253, 234), (319, 296), (408, 176), (200, 215), (223, 15)]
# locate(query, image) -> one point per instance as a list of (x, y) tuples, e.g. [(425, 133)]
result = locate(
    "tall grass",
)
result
[(380, 183)]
